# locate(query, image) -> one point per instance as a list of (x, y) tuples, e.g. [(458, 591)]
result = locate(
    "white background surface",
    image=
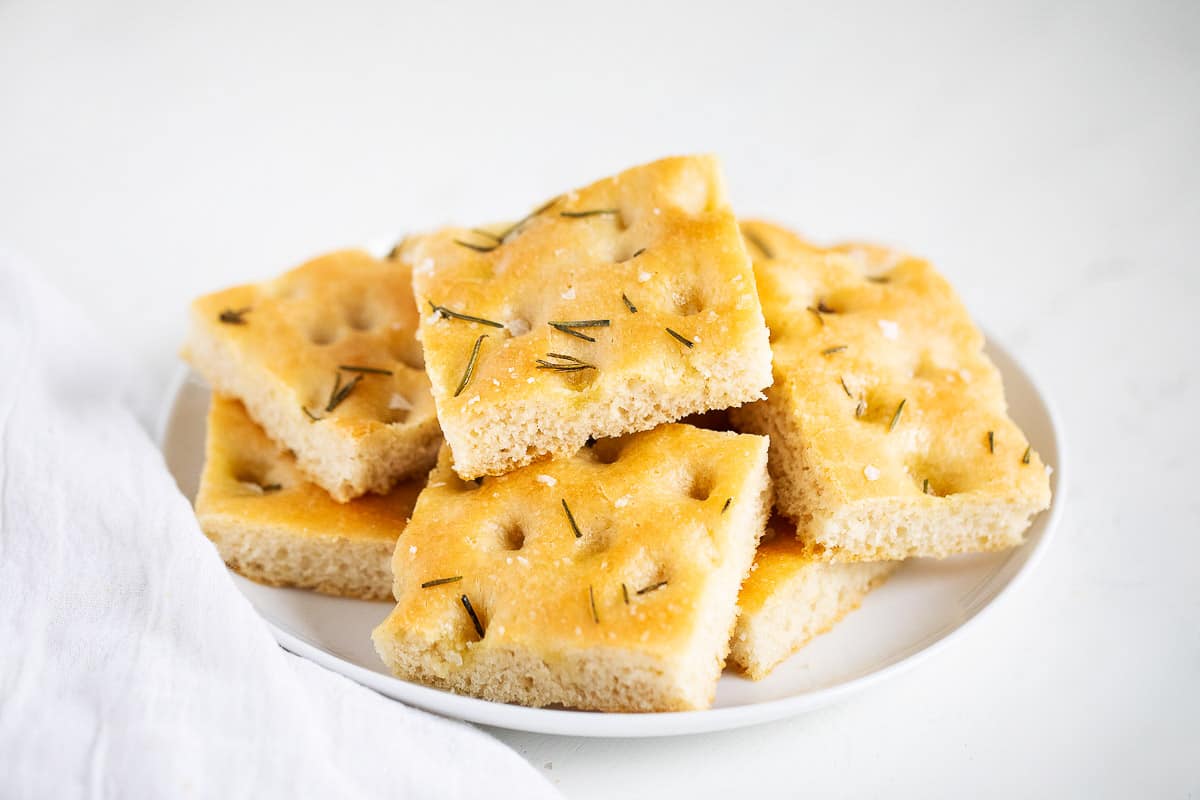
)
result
[(1045, 155)]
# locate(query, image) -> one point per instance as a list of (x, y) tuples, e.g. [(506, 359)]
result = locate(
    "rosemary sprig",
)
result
[(341, 392), (652, 587), (478, 248), (364, 370), (571, 519), (846, 388), (625, 593), (595, 212), (816, 312), (445, 312), (831, 350), (521, 222), (728, 501), (629, 303), (992, 442), (896, 416), (592, 602), (572, 364), (679, 337), (569, 327), (234, 316), (1028, 450), (756, 240), (440, 581), (470, 370), (471, 613)]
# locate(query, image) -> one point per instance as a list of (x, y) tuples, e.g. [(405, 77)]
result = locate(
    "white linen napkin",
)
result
[(130, 666)]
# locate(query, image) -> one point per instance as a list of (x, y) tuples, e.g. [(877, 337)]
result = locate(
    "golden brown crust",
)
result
[(272, 525), (676, 505), (857, 331), (280, 347), (660, 239)]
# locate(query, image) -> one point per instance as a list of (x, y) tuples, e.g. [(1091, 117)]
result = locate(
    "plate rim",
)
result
[(593, 724)]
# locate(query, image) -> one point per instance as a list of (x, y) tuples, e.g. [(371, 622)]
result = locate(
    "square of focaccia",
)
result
[(890, 436), (604, 580), (791, 596), (325, 359), (272, 525), (609, 310)]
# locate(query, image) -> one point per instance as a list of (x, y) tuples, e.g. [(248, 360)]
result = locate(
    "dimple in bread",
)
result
[(791, 596), (606, 580), (325, 359), (272, 525), (611, 309), (890, 436)]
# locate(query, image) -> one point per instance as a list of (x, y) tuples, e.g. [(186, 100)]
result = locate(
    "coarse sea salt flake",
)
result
[(548, 480), (643, 276), (871, 472), (622, 501), (569, 294), (890, 329), (400, 402)]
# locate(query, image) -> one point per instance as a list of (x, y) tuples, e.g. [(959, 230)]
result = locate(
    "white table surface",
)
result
[(1045, 155)]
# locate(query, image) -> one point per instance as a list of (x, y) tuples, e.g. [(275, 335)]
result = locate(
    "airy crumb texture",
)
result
[(611, 586), (613, 309), (790, 597), (273, 526), (889, 431), (292, 350)]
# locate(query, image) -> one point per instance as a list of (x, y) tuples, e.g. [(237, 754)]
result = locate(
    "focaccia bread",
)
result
[(608, 310), (605, 580), (272, 525), (791, 596), (326, 360), (890, 436)]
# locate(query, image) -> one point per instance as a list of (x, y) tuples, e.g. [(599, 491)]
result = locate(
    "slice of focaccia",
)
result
[(606, 580), (273, 526), (889, 432), (326, 360), (791, 596), (609, 310)]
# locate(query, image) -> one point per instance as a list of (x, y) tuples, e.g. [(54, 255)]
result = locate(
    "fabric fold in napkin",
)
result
[(130, 666)]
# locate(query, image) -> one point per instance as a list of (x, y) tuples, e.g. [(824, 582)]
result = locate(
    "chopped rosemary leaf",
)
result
[(440, 581), (629, 303), (925, 486), (595, 212), (1028, 450), (817, 313), (271, 487), (652, 587), (570, 326), (896, 416), (445, 312), (846, 388), (474, 617), (365, 370), (478, 248), (571, 519), (234, 316), (831, 350), (861, 408), (756, 240), (395, 251), (824, 309), (636, 254), (728, 501), (309, 414), (592, 602), (470, 370), (487, 234), (572, 364), (521, 222), (879, 279), (992, 442), (625, 593), (686, 342), (341, 392)]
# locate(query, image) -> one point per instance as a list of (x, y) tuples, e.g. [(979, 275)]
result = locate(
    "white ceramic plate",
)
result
[(916, 612)]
